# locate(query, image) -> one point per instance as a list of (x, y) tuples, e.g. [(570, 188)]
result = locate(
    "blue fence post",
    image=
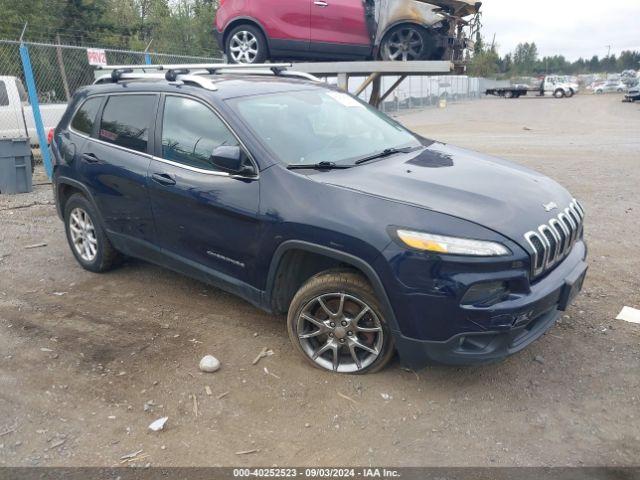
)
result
[(147, 57), (35, 107)]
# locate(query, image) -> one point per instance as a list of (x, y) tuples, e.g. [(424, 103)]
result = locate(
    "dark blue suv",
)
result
[(303, 200)]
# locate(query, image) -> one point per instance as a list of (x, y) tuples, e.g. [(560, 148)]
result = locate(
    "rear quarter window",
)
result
[(127, 119), (85, 117)]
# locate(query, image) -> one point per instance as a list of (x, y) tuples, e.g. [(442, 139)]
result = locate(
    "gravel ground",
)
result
[(81, 354)]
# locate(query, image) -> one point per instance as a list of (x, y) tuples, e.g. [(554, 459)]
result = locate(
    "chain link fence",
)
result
[(426, 91), (58, 71)]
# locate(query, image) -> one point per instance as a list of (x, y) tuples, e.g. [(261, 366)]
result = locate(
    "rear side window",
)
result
[(126, 121), (85, 117), (4, 97), (190, 132)]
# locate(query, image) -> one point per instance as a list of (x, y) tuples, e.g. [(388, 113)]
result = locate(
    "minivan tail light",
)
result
[(50, 136)]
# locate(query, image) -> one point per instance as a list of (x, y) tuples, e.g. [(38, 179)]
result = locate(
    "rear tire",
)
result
[(508, 94), (336, 318), (246, 44), (405, 43), (86, 237), (559, 93)]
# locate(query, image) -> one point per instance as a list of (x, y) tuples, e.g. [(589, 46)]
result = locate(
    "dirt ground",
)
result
[(81, 354)]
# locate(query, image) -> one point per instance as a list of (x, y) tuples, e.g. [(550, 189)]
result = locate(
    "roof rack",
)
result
[(192, 73)]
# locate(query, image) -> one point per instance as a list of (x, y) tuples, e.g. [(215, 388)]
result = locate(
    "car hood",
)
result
[(491, 192)]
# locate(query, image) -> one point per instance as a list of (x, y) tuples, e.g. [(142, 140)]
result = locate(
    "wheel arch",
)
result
[(66, 188), (283, 283), (243, 21)]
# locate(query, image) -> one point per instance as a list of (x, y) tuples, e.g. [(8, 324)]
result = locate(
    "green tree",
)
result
[(485, 61), (525, 58), (629, 60)]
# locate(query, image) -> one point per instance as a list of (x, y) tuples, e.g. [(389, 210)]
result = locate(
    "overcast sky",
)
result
[(573, 28)]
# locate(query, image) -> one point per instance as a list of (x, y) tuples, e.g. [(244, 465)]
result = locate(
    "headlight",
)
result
[(452, 245)]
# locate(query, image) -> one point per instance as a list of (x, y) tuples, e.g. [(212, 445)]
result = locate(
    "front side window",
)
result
[(126, 121), (85, 117), (190, 133), (319, 125), (4, 96)]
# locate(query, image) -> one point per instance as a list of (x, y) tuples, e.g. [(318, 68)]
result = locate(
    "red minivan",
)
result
[(252, 31)]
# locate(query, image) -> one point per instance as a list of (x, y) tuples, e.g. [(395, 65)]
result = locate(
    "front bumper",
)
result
[(476, 335), (474, 348)]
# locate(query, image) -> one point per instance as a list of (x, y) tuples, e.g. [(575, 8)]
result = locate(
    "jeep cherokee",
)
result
[(303, 200)]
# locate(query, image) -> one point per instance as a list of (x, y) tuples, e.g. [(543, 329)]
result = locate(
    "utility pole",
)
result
[(608, 50)]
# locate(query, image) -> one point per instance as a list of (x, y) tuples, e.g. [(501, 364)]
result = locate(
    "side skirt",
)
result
[(153, 254)]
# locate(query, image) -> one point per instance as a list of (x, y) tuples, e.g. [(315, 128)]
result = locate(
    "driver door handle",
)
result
[(163, 179), (321, 3)]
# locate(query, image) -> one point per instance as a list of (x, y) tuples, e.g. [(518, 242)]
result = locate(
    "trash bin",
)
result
[(15, 165)]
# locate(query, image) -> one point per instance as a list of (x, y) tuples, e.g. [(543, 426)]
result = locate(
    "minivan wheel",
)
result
[(335, 321), (86, 237), (246, 44), (406, 43)]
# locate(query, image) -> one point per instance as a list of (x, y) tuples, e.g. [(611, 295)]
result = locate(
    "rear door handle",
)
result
[(321, 3), (90, 158), (163, 179)]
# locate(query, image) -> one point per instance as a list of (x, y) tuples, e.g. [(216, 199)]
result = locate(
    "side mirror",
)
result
[(231, 159)]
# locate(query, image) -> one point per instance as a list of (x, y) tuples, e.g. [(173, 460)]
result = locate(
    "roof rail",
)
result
[(121, 72), (178, 77)]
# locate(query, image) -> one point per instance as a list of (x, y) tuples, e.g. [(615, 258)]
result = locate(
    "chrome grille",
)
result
[(551, 242)]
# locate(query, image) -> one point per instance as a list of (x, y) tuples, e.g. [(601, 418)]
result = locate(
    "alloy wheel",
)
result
[(83, 234), (340, 332), (243, 47), (404, 45)]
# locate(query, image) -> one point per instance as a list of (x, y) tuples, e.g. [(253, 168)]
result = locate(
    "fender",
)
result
[(357, 262), (237, 20), (59, 181)]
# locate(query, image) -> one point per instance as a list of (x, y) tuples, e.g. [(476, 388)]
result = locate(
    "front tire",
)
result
[(246, 44), (405, 43), (86, 237), (337, 324), (559, 93)]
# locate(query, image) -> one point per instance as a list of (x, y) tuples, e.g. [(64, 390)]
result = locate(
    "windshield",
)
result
[(313, 126)]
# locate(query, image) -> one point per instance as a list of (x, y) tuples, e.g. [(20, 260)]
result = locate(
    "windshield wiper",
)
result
[(387, 152), (318, 166)]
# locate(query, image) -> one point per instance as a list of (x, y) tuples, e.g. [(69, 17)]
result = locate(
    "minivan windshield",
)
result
[(320, 125)]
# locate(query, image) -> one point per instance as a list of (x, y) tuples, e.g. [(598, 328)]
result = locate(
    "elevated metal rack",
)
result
[(374, 71)]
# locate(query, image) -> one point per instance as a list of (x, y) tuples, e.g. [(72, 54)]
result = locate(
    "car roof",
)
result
[(227, 86)]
